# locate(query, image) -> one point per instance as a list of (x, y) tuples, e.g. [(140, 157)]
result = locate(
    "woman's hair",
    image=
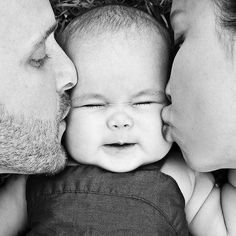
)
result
[(227, 14)]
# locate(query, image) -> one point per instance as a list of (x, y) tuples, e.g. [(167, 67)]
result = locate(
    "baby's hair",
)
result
[(66, 10), (113, 18)]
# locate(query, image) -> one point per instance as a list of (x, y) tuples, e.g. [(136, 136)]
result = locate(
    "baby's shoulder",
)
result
[(184, 176), (188, 180), (195, 186)]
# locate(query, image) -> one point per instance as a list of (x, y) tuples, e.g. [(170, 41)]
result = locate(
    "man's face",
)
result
[(202, 87), (35, 73), (115, 119)]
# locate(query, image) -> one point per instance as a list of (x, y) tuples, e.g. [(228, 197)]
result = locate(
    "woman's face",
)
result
[(202, 88)]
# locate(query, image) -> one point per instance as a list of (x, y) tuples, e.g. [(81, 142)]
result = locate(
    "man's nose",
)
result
[(119, 121), (167, 91), (66, 75)]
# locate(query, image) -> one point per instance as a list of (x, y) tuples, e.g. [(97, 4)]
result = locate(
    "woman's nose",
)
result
[(168, 95), (119, 121)]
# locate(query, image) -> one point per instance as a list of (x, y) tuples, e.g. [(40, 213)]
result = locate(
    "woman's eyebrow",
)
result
[(175, 14)]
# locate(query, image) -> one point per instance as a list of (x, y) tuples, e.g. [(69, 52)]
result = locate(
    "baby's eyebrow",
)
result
[(158, 94), (88, 96)]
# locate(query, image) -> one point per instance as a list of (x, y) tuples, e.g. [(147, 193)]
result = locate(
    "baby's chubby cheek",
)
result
[(72, 137)]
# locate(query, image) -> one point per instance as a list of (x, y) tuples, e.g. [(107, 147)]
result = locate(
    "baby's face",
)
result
[(115, 119)]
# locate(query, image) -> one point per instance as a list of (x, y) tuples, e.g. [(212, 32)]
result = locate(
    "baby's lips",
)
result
[(117, 144)]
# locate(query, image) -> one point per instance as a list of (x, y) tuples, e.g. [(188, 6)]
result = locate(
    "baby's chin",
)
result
[(129, 163), (120, 167), (120, 161)]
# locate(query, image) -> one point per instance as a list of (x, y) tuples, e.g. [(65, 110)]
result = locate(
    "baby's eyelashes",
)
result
[(89, 100), (78, 102), (93, 106), (145, 103), (140, 99), (101, 105)]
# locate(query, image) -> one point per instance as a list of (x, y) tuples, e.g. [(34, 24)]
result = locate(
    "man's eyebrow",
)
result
[(51, 30), (47, 33)]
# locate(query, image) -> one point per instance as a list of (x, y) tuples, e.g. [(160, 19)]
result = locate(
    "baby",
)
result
[(122, 60), (123, 67)]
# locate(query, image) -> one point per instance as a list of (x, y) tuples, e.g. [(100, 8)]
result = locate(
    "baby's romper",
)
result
[(87, 200)]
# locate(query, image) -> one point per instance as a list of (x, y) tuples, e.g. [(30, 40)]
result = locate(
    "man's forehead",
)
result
[(24, 19)]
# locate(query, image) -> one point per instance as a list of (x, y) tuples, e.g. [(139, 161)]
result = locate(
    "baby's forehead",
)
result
[(100, 65), (144, 53), (112, 20), (122, 37)]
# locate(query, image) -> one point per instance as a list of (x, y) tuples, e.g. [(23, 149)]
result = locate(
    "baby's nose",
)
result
[(120, 120)]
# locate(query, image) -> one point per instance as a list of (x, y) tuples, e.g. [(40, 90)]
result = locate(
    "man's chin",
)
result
[(52, 165), (39, 165), (30, 146)]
